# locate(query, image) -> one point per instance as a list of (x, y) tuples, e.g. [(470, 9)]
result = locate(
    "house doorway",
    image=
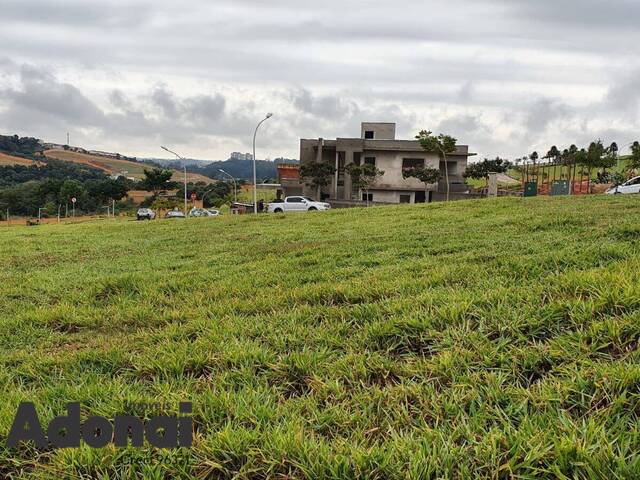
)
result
[(422, 196), (419, 197)]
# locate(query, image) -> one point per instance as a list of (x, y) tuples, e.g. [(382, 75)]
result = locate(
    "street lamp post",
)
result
[(185, 177), (255, 181), (235, 186)]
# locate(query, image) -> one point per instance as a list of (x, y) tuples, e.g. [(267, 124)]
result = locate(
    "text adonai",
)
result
[(66, 431)]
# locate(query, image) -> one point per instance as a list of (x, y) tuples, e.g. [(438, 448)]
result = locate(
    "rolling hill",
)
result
[(11, 160), (478, 339), (113, 165)]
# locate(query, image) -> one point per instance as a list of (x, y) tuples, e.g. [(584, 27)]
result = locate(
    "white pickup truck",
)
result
[(296, 204)]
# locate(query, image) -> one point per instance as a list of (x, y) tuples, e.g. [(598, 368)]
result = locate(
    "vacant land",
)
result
[(486, 339), (11, 160), (114, 165)]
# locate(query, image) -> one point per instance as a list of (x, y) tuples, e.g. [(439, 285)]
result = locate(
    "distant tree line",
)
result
[(52, 170), (20, 146), (92, 195)]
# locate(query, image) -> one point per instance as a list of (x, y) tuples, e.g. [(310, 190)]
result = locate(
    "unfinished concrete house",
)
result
[(377, 145)]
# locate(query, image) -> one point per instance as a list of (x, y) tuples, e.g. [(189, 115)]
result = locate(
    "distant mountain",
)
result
[(240, 169), (175, 163), (243, 169), (33, 149)]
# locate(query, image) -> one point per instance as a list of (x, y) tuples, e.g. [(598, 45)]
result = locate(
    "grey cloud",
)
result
[(594, 14), (165, 100), (624, 94), (42, 94), (324, 106), (77, 12), (542, 112)]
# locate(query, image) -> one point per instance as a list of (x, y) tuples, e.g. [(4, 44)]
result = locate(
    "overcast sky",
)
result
[(505, 77)]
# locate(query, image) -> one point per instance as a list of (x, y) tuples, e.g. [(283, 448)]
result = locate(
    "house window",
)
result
[(367, 197), (411, 163), (369, 134), (405, 198), (370, 161)]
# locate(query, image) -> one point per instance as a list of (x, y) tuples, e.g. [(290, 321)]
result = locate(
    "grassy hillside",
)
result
[(113, 165), (487, 339), (11, 160)]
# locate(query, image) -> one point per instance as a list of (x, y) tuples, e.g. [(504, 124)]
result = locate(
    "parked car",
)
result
[(174, 214), (296, 204), (145, 214), (203, 212), (630, 186)]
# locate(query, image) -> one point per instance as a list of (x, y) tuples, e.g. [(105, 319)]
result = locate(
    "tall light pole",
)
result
[(235, 186), (255, 181), (185, 177)]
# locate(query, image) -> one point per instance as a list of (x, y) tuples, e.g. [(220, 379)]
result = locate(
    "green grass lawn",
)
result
[(487, 339)]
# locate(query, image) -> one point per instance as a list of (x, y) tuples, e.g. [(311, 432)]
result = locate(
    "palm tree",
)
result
[(534, 158), (553, 155)]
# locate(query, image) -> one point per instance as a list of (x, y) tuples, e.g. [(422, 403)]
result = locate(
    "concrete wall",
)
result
[(382, 131), (391, 164)]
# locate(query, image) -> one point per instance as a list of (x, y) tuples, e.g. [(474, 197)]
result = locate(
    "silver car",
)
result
[(203, 212), (174, 214), (145, 214)]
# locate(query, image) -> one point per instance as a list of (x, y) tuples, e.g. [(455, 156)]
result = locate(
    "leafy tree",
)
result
[(364, 176), (609, 158), (442, 145), (317, 175), (425, 174), (21, 146), (22, 199), (157, 179), (635, 156), (107, 190), (73, 189), (481, 170)]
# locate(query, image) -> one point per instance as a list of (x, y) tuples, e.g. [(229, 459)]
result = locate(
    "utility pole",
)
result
[(255, 181), (67, 138), (235, 186), (185, 176)]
